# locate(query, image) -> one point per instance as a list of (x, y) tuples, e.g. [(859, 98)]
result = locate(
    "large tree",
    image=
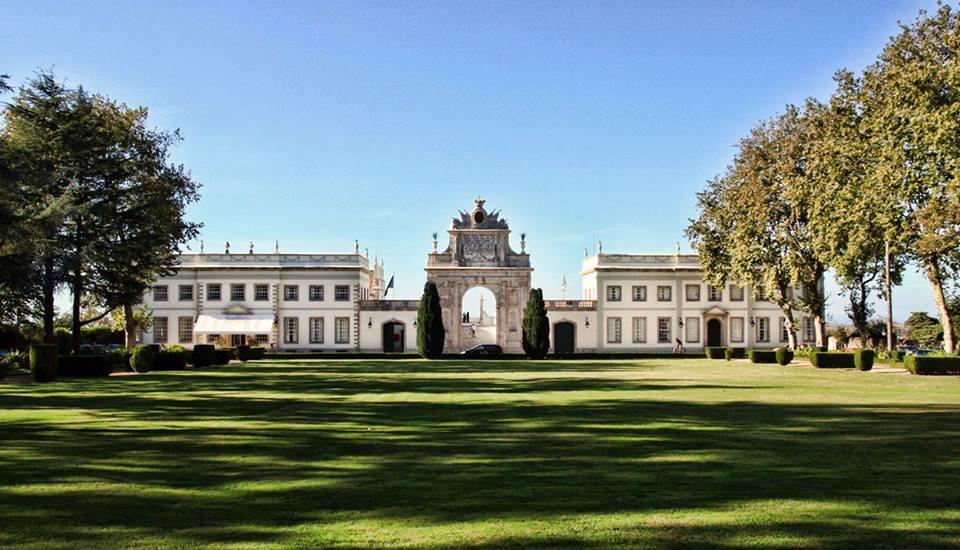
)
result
[(113, 203), (912, 105)]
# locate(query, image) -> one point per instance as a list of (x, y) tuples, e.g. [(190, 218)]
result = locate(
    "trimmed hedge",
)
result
[(43, 362), (763, 356), (170, 360), (204, 355), (86, 365), (784, 356), (715, 353), (243, 353), (257, 352), (896, 356), (738, 353), (932, 365), (222, 356), (143, 358), (832, 360), (863, 359)]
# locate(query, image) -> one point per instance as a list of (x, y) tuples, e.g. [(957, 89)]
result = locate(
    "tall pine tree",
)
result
[(536, 326)]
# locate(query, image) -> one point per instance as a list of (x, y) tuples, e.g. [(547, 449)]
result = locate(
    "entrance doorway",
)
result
[(714, 333), (393, 337), (564, 337)]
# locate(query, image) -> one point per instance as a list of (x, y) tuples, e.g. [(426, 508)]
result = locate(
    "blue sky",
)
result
[(317, 123)]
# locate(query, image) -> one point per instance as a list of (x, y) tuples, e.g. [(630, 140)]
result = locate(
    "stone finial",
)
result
[(586, 253), (201, 247), (600, 247), (276, 247), (251, 248), (678, 248), (523, 242), (356, 247), (226, 247), (366, 253)]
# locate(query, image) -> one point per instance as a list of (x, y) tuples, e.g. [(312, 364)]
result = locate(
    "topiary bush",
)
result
[(763, 356), (257, 352), (863, 359), (204, 355), (170, 360), (714, 352), (43, 362), (222, 356), (143, 358), (243, 353), (832, 360), (784, 356), (738, 353), (121, 359), (86, 365), (728, 354), (932, 365)]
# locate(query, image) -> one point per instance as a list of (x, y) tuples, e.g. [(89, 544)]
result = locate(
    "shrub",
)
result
[(170, 360), (763, 356), (243, 353), (896, 356), (728, 354), (430, 331), (257, 352), (932, 365), (784, 356), (43, 362), (863, 359), (143, 358), (85, 365), (738, 353), (204, 355), (832, 360), (121, 358), (535, 326), (715, 353), (222, 356)]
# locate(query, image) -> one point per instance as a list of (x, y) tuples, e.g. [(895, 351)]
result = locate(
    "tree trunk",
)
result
[(936, 281), (77, 290), (820, 328), (49, 309), (129, 326)]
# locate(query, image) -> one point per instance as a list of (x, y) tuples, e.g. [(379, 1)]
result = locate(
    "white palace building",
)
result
[(333, 302)]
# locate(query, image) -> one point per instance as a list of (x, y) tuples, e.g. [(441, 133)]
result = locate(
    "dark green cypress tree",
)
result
[(536, 326), (430, 332)]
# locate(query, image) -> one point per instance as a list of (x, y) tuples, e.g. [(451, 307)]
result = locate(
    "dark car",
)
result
[(484, 349)]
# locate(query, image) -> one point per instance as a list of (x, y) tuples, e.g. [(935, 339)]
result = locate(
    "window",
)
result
[(341, 293), (343, 330), (261, 293), (693, 293), (761, 294), (238, 292), (316, 330), (213, 338), (736, 329), (639, 294), (160, 293), (663, 330), (613, 330), (213, 292), (186, 293), (185, 330), (784, 337), (736, 293), (692, 327), (316, 293), (714, 293), (763, 329), (808, 330), (639, 330), (291, 330), (613, 293), (664, 294), (262, 338), (291, 293), (159, 330)]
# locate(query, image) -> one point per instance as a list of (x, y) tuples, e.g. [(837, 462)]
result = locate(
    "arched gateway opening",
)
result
[(479, 255), (478, 320)]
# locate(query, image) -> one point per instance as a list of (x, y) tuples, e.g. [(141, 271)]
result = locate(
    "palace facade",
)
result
[(333, 302)]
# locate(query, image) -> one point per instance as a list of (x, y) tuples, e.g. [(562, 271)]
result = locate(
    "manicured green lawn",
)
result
[(358, 453)]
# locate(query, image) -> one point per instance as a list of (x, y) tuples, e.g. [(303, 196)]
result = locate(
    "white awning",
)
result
[(233, 324)]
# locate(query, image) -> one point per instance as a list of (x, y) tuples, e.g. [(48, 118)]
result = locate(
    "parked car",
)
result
[(93, 348), (484, 349)]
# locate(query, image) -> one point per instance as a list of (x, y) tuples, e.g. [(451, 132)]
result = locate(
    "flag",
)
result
[(389, 286)]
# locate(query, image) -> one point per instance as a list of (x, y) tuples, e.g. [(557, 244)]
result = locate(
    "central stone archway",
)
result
[(479, 254)]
